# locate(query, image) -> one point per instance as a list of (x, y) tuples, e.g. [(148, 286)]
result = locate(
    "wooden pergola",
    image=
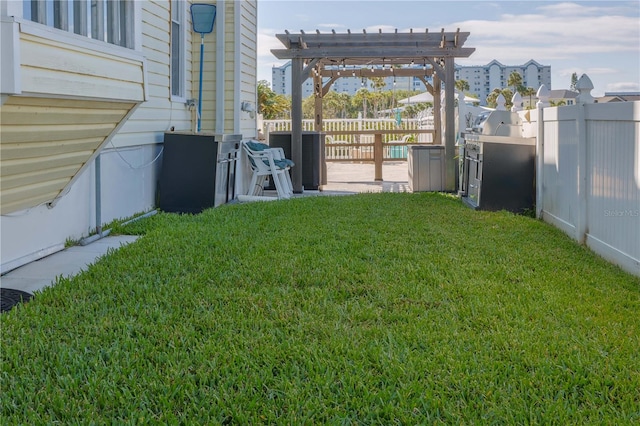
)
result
[(323, 55)]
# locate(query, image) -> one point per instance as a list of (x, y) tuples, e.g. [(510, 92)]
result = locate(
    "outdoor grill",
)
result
[(499, 164)]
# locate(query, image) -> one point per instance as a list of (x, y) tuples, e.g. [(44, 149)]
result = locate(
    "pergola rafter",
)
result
[(368, 55)]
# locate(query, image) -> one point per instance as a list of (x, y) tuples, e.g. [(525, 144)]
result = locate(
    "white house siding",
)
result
[(60, 69), (231, 68)]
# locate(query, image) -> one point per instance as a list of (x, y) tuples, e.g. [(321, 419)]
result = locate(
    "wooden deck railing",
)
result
[(365, 140), (371, 148)]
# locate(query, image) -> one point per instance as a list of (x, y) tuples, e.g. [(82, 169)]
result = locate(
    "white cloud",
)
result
[(331, 26), (625, 86), (570, 36)]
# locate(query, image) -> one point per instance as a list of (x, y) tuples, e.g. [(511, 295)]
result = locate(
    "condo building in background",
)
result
[(281, 82), (482, 79)]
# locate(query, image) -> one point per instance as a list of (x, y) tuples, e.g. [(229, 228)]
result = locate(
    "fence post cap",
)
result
[(516, 100), (584, 86), (543, 96)]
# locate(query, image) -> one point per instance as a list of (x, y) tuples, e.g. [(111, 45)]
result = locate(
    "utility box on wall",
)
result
[(426, 168)]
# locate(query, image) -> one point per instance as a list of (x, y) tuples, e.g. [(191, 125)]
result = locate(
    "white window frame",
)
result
[(177, 65), (115, 20)]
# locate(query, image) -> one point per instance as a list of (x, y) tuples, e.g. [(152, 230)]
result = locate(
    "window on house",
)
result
[(177, 48), (105, 20)]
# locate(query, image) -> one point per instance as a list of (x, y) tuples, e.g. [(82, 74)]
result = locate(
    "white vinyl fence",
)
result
[(589, 176)]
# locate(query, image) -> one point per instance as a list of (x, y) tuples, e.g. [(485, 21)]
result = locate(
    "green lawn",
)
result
[(366, 309)]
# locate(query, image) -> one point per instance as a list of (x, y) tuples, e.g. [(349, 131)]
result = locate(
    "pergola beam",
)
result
[(372, 52), (376, 72)]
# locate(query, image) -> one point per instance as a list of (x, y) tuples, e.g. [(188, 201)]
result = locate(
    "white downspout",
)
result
[(220, 66)]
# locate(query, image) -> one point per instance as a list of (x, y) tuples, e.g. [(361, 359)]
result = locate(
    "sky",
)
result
[(599, 38)]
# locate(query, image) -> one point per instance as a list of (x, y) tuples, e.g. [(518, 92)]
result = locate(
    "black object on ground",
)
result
[(10, 298)]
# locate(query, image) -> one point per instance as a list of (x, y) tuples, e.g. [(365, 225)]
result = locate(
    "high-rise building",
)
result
[(281, 82), (483, 79)]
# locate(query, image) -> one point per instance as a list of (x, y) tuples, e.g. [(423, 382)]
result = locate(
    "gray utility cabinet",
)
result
[(426, 168), (198, 171), (314, 167)]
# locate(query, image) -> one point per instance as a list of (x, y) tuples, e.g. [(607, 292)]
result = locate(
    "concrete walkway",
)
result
[(342, 178), (359, 177), (42, 273)]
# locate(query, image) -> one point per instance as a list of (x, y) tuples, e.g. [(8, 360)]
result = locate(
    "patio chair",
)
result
[(268, 162)]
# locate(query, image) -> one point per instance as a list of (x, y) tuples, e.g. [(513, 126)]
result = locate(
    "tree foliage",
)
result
[(462, 85), (270, 104), (574, 82), (530, 92), (515, 81), (493, 96)]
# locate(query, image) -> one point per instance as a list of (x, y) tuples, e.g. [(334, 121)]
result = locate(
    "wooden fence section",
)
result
[(355, 139)]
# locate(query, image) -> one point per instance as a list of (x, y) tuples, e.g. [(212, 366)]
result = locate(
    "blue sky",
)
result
[(599, 38)]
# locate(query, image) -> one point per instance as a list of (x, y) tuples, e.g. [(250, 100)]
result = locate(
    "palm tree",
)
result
[(492, 98), (362, 96), (515, 81), (462, 85), (529, 91)]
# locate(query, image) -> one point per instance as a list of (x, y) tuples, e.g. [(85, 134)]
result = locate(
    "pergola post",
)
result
[(296, 123), (449, 129)]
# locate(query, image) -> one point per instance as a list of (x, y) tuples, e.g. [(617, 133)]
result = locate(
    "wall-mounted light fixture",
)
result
[(247, 106)]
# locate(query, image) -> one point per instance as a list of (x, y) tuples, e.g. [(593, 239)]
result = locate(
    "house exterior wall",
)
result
[(138, 115), (45, 144), (235, 31), (246, 66)]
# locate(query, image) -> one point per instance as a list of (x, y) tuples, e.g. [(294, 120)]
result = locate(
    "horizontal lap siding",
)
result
[(46, 141), (230, 72), (58, 69), (159, 113), (248, 64)]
